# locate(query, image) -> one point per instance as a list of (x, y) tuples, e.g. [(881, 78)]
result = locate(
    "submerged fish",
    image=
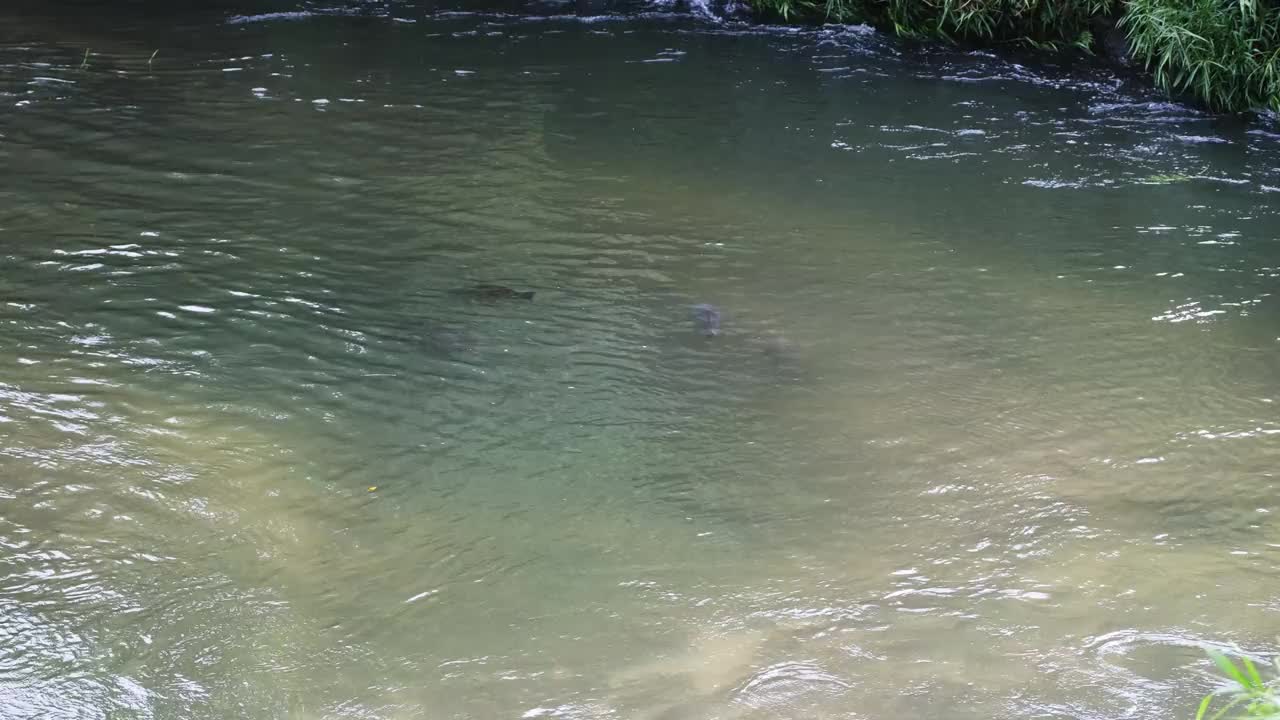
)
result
[(485, 291), (706, 320), (783, 357)]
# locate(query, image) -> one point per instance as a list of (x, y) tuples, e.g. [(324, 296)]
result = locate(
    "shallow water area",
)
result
[(989, 430)]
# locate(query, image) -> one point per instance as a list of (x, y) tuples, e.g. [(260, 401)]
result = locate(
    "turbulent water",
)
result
[(989, 432)]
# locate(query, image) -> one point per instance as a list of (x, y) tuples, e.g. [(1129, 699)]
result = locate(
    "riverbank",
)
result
[(1224, 54)]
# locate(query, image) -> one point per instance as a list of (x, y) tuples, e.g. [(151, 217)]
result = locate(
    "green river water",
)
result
[(990, 431)]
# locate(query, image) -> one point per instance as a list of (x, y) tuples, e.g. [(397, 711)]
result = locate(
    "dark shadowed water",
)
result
[(989, 430)]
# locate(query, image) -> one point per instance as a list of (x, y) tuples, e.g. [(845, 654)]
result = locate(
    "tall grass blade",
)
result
[(1228, 668), (1204, 707), (1254, 678)]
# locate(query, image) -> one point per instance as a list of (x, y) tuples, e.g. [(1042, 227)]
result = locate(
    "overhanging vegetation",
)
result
[(1225, 53)]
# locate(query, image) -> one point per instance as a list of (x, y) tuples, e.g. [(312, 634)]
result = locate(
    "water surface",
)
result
[(990, 431)]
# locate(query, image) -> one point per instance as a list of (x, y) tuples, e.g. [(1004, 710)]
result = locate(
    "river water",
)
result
[(990, 431)]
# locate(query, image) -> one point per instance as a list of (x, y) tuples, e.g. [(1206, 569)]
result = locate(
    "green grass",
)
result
[(1039, 22), (1249, 696), (1223, 53), (1043, 23)]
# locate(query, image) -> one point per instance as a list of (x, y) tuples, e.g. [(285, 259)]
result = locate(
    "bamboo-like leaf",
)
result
[(1204, 707), (1228, 668), (1255, 680)]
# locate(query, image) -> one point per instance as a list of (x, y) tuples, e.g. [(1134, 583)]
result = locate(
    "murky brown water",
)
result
[(990, 433)]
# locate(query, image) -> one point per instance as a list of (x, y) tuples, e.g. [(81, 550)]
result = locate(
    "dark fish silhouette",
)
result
[(782, 357), (486, 291), (706, 320)]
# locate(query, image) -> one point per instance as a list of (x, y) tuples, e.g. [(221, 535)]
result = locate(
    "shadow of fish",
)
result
[(446, 342), (780, 353), (778, 350), (485, 291)]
